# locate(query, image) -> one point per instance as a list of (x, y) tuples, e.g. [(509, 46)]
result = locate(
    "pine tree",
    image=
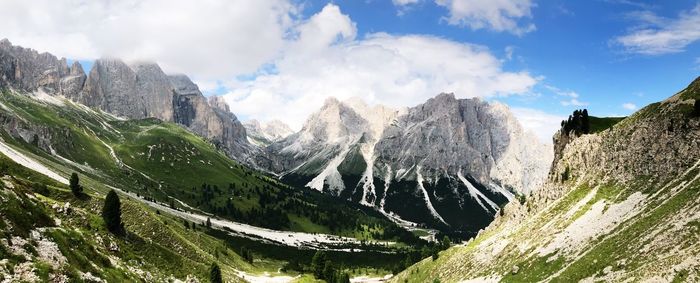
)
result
[(343, 277), (317, 263), (328, 271), (446, 242), (215, 273), (74, 184), (112, 214), (208, 222)]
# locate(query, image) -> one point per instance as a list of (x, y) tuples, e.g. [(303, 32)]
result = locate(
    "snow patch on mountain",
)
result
[(476, 194), (426, 197)]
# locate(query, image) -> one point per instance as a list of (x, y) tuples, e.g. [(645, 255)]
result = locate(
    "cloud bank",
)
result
[(327, 60), (658, 35)]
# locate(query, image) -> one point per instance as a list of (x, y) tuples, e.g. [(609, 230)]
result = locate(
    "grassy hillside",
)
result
[(628, 210), (162, 161), (47, 234), (599, 124)]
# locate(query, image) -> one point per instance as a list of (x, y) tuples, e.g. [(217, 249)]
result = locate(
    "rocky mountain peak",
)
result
[(218, 102), (183, 85), (76, 69), (264, 133)]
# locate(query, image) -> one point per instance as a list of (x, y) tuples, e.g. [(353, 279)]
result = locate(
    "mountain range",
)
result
[(429, 164), (445, 163), (620, 204), (382, 190)]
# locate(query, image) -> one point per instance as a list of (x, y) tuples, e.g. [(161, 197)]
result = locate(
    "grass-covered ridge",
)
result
[(47, 233), (628, 211), (164, 162), (599, 124), (161, 160)]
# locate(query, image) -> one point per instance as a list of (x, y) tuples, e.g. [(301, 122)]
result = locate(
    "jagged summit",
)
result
[(265, 133), (621, 203), (418, 162), (135, 91)]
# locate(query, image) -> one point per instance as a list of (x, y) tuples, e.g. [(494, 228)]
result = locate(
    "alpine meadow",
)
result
[(349, 141)]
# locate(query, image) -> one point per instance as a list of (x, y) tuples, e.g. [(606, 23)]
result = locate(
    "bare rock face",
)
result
[(265, 133), (153, 85), (72, 85), (471, 136), (209, 118), (138, 91), (432, 163), (27, 69), (111, 86)]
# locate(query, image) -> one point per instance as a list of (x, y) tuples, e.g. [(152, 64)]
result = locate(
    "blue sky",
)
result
[(280, 59), (573, 48)]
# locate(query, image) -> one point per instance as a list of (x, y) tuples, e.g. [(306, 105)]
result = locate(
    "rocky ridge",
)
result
[(618, 204), (265, 133), (427, 163), (137, 91)]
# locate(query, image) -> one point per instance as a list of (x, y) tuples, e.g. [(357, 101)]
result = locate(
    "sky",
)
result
[(280, 59)]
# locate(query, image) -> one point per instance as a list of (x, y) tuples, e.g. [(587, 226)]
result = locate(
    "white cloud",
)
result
[(405, 2), (629, 106), (657, 35), (543, 124), (497, 15), (207, 39), (573, 102), (572, 98), (509, 50), (380, 68)]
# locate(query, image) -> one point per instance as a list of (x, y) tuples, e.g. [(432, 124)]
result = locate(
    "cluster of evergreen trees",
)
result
[(431, 250), (323, 268), (578, 123), (247, 254)]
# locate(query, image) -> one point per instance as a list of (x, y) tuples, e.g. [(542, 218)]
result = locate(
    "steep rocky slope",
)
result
[(265, 133), (140, 90), (428, 164), (620, 204)]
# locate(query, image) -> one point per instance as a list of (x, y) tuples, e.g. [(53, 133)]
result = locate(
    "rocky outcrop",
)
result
[(27, 69), (621, 203), (432, 163), (209, 118), (265, 133), (136, 91)]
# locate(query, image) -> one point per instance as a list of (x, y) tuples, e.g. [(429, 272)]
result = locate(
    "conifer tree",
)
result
[(74, 184), (317, 263), (112, 214), (215, 273)]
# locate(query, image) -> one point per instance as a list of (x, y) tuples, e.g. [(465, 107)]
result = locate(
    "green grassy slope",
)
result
[(629, 211), (599, 124), (40, 239), (162, 160)]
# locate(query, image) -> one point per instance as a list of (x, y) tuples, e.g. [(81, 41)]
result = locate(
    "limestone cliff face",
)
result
[(27, 69), (433, 163), (621, 203), (136, 91)]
